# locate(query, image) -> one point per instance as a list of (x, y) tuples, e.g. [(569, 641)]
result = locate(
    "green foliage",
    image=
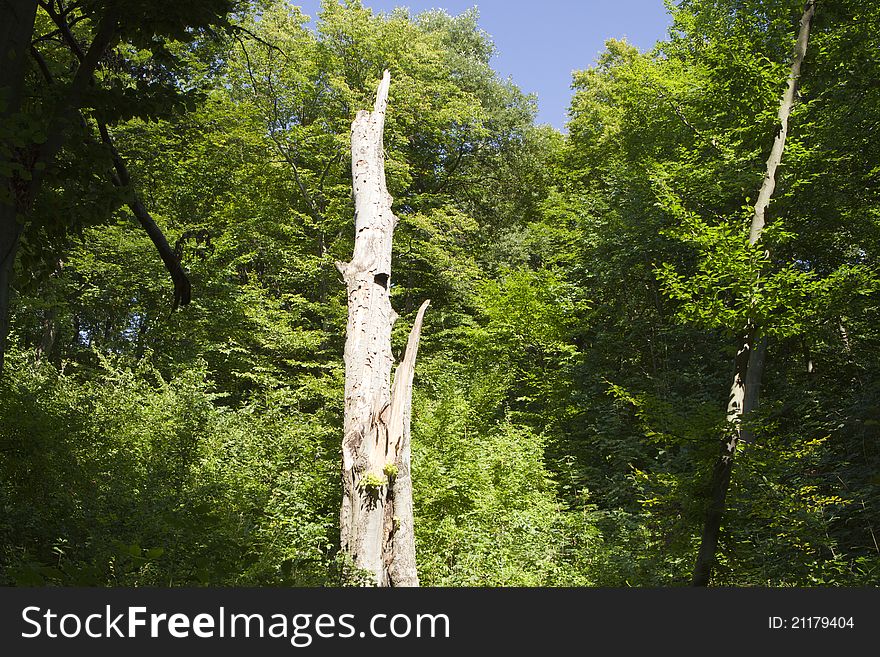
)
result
[(123, 478), (223, 420), (666, 153), (575, 362), (372, 483), (485, 502)]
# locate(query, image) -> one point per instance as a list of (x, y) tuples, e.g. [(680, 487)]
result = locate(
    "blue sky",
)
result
[(540, 42)]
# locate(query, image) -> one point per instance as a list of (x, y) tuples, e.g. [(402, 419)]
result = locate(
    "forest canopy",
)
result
[(177, 190)]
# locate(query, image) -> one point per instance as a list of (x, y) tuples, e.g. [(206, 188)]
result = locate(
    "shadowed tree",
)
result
[(750, 355), (91, 32)]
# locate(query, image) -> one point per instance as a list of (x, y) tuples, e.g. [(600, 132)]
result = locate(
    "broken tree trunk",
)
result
[(376, 519), (749, 361)]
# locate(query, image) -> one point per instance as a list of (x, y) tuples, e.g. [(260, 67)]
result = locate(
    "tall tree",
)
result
[(749, 361), (31, 142), (376, 520), (15, 39)]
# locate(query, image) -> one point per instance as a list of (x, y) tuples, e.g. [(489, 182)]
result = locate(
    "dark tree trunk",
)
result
[(16, 31)]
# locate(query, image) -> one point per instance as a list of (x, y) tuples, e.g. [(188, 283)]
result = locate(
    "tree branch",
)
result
[(122, 179), (69, 107), (182, 286), (275, 123)]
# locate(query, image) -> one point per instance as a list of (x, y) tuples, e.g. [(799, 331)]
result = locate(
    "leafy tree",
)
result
[(587, 289), (108, 89)]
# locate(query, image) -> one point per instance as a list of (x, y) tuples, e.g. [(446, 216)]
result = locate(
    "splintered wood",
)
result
[(376, 519)]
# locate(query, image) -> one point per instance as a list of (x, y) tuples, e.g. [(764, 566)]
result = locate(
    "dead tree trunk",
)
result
[(749, 362), (376, 520)]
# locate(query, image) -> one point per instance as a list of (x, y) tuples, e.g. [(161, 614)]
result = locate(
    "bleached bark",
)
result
[(751, 352), (402, 551), (376, 523), (775, 157)]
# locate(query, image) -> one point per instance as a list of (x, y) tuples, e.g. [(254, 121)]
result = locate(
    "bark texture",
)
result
[(376, 521), (749, 361)]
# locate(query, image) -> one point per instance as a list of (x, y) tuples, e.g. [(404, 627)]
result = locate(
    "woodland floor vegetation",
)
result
[(588, 291)]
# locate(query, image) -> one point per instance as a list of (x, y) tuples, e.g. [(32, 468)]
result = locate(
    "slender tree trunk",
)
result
[(48, 335), (49, 324), (10, 230), (749, 361), (376, 519)]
